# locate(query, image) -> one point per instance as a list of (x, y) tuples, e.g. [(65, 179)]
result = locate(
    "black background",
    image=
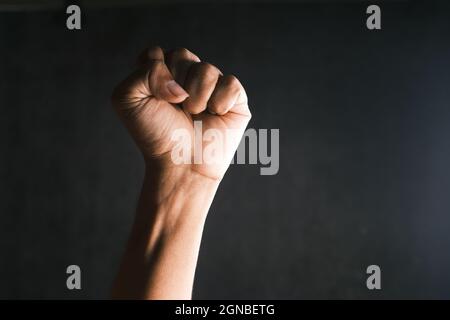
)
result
[(364, 148)]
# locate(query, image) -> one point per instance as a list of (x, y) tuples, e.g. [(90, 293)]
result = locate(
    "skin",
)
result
[(166, 92)]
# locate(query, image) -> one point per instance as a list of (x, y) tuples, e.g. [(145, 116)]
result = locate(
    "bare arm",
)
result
[(161, 255)]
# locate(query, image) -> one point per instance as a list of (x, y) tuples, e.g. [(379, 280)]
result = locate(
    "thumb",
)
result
[(163, 86)]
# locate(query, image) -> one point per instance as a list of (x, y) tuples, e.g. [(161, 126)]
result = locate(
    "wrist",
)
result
[(172, 200), (181, 183), (173, 203)]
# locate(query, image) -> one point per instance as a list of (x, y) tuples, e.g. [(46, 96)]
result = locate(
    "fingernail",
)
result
[(176, 89)]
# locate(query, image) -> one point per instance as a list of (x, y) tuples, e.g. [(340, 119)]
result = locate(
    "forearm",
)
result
[(162, 252)]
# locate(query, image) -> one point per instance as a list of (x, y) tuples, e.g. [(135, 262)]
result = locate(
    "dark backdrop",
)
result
[(364, 151)]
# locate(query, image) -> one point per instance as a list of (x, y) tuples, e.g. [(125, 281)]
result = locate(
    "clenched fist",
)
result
[(169, 91)]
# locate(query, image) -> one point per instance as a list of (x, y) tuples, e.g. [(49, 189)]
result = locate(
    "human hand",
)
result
[(168, 92)]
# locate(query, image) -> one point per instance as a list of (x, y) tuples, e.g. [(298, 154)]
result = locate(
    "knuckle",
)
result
[(181, 53), (149, 53), (232, 82), (153, 49), (206, 70)]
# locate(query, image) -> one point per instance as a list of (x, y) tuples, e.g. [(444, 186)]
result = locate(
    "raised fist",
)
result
[(166, 94)]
